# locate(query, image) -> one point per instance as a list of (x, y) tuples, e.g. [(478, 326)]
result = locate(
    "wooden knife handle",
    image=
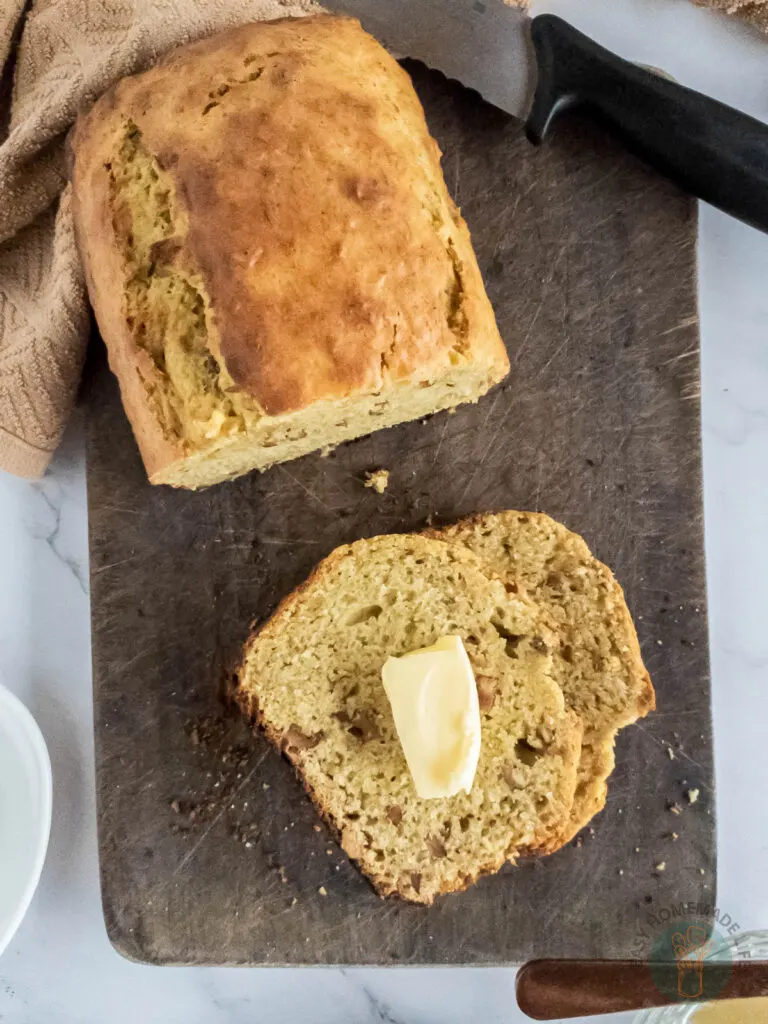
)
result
[(554, 989)]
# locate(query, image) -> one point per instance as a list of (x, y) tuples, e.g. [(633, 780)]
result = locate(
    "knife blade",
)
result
[(536, 69), (484, 44)]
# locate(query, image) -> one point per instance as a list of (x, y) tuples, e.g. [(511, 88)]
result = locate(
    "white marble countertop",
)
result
[(61, 967)]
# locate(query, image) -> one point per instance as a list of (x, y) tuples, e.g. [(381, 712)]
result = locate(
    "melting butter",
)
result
[(434, 703)]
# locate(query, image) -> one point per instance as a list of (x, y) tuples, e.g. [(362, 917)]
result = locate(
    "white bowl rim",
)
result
[(17, 712)]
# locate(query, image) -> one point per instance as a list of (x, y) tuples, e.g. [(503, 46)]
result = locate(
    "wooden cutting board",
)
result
[(210, 852)]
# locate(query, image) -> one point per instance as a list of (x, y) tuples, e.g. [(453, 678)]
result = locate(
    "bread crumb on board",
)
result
[(378, 479), (323, 891), (693, 795), (219, 792)]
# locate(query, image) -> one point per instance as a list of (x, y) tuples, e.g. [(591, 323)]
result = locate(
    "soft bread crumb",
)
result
[(597, 660), (207, 359), (378, 480), (314, 671), (693, 795)]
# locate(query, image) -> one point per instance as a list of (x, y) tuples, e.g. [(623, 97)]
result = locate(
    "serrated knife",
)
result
[(536, 69)]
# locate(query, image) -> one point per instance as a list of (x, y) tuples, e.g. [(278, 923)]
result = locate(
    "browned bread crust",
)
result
[(311, 215)]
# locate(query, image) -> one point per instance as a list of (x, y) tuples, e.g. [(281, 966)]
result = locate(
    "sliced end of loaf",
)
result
[(273, 439)]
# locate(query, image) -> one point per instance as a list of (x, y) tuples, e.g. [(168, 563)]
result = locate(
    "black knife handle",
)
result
[(707, 148)]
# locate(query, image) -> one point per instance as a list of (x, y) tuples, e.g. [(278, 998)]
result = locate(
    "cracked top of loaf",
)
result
[(264, 225)]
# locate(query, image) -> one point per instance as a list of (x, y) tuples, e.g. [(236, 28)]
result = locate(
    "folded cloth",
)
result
[(57, 57)]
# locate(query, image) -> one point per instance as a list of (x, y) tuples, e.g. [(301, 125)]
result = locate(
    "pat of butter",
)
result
[(433, 695)]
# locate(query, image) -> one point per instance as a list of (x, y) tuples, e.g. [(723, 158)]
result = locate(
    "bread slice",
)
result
[(597, 661), (271, 252), (312, 678)]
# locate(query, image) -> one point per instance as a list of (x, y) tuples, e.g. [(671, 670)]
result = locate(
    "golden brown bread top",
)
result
[(318, 221)]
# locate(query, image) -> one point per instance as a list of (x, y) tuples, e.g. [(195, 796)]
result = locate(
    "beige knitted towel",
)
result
[(753, 11), (67, 52)]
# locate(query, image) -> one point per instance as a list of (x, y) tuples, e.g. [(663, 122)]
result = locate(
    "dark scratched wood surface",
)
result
[(209, 852)]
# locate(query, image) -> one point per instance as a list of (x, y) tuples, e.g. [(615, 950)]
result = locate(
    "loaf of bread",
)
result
[(311, 677), (597, 660), (271, 252)]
